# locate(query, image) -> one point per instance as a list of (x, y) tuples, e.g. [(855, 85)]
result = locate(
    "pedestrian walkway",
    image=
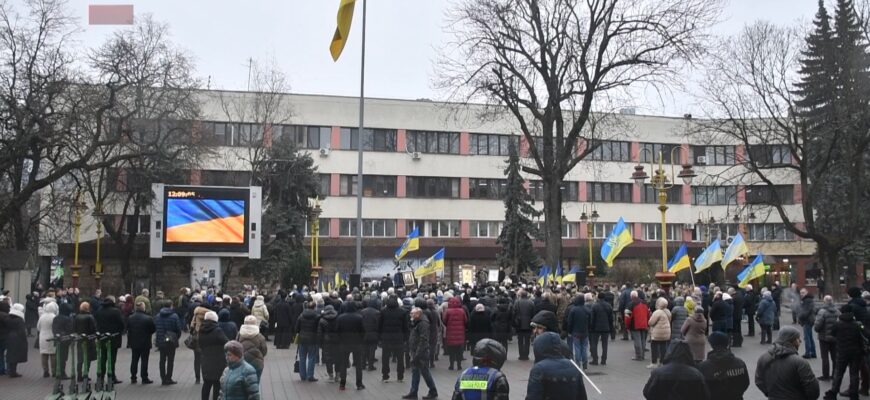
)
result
[(621, 379)]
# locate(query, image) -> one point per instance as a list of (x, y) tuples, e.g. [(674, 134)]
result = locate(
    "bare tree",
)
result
[(548, 63)]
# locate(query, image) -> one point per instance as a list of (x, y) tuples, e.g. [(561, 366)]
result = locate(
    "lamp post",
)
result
[(589, 220), (79, 207), (661, 182), (98, 264), (314, 219)]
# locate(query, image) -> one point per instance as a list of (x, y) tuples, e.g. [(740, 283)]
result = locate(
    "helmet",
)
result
[(489, 353)]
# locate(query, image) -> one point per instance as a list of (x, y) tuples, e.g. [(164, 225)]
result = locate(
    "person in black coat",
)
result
[(327, 339), (349, 327), (62, 325), (677, 379), (738, 302), (601, 327), (577, 323), (306, 328), (283, 322), (524, 310), (393, 332), (296, 308), (502, 319), (479, 325), (231, 330), (31, 312), (720, 314), (726, 375), (110, 320), (371, 321), (211, 343), (16, 340), (140, 328), (84, 324), (850, 353), (750, 304)]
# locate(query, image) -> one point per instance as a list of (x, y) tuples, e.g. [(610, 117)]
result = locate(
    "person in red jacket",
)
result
[(455, 321), (637, 322)]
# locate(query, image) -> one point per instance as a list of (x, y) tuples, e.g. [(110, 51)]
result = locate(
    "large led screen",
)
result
[(205, 219)]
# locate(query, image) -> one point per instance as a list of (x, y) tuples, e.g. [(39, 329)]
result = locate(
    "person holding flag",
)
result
[(618, 240)]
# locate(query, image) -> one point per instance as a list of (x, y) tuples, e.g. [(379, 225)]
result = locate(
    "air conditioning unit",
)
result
[(415, 155), (324, 151), (701, 160), (729, 240)]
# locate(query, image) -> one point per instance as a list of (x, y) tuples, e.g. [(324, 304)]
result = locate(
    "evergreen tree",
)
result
[(516, 235), (817, 74)]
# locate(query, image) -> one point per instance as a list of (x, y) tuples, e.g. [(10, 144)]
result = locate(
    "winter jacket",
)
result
[(211, 345), (260, 311), (859, 309), (639, 318), (140, 329), (231, 330), (31, 311), (238, 312), (418, 342), (16, 339), (283, 319), (455, 322), (479, 326), (546, 305), (826, 318), (660, 325), (782, 374), (296, 308), (393, 328), (807, 310), (553, 377), (602, 317), (679, 315), (166, 321), (678, 379), (766, 311), (110, 320), (738, 303), (721, 315), (694, 331), (349, 327), (43, 327), (371, 318), (306, 327), (62, 323), (579, 319), (239, 381), (255, 346), (524, 310), (501, 321), (725, 374), (83, 324), (847, 333), (563, 305), (327, 336)]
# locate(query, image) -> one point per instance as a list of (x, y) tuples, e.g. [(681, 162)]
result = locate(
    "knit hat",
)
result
[(787, 334), (718, 340), (211, 316), (854, 292), (235, 348), (17, 310), (251, 320)]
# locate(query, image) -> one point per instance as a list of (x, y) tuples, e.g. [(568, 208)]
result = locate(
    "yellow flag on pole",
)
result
[(342, 30)]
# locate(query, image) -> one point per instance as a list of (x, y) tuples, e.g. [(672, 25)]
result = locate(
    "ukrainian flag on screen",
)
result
[(205, 221)]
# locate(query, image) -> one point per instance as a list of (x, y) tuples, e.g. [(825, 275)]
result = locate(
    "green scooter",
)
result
[(104, 388), (57, 393), (84, 390)]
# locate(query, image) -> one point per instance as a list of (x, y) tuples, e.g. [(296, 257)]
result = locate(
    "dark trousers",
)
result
[(766, 333), (63, 353), (104, 363), (659, 348), (750, 323), (455, 353), (422, 370), (387, 353), (342, 366), (370, 349), (197, 364), (167, 363), (433, 341), (829, 352), (2, 356), (213, 386), (593, 345), (737, 335), (523, 341), (140, 354), (853, 362), (865, 375)]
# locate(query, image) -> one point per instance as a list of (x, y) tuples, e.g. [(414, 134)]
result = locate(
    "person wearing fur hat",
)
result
[(16, 340), (261, 312), (782, 374), (239, 380), (45, 332), (254, 344), (725, 374), (211, 344)]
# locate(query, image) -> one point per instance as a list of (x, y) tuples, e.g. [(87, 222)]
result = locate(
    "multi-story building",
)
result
[(439, 167)]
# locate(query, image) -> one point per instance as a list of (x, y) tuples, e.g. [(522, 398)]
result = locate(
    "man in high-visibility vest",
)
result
[(484, 381)]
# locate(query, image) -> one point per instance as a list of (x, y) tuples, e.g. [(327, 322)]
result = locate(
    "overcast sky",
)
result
[(403, 38)]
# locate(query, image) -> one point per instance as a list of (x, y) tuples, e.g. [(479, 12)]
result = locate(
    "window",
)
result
[(650, 195), (715, 155), (773, 195), (654, 232), (435, 228), (325, 180), (609, 150), (248, 135), (226, 178), (536, 190), (323, 228), (305, 137), (137, 225), (606, 192), (570, 191), (373, 139), (714, 195), (716, 231), (426, 186), (373, 185), (433, 142), (485, 229), (769, 232), (480, 188), (371, 227), (768, 155), (570, 230), (493, 145), (601, 230), (654, 149), (231, 134)]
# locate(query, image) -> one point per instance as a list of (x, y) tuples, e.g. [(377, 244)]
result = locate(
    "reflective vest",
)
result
[(476, 382)]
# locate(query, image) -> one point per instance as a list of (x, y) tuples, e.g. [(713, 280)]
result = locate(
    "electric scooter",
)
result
[(75, 376), (105, 386), (84, 391), (57, 392)]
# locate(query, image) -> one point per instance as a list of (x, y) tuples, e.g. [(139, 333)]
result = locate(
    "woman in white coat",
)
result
[(46, 348)]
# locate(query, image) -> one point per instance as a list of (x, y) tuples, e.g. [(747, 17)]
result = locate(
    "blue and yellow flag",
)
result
[(736, 249), (342, 29), (680, 260), (431, 265), (571, 276), (710, 255), (339, 280), (543, 275), (618, 239), (752, 271), (412, 243), (558, 275)]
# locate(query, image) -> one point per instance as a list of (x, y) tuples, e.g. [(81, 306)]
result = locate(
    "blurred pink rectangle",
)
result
[(110, 14)]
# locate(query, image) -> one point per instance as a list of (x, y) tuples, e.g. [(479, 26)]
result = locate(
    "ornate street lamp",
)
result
[(589, 220), (98, 264), (79, 207), (314, 220)]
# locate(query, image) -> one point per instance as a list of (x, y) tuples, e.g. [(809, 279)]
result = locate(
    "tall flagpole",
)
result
[(359, 145)]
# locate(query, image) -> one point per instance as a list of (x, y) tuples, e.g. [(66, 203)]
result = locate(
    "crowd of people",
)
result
[(566, 328)]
